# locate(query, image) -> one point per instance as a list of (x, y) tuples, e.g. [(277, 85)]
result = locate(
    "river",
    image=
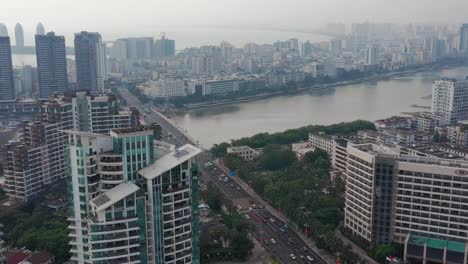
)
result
[(369, 101)]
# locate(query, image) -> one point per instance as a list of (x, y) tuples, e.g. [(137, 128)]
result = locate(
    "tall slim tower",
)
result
[(7, 87), (3, 30), (51, 65), (90, 61), (40, 29), (463, 46), (19, 35)]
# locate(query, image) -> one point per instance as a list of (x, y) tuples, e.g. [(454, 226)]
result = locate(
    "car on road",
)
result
[(309, 258), (272, 220), (247, 217), (282, 230), (273, 241), (293, 256)]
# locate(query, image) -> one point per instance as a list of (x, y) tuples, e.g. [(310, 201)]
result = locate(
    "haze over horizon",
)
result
[(118, 17)]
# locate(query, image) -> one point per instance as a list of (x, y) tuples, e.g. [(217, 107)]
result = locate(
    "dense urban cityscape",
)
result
[(107, 155)]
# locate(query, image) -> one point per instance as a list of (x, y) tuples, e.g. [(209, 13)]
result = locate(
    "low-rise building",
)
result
[(245, 152), (458, 135), (301, 148), (165, 88), (221, 87), (394, 122)]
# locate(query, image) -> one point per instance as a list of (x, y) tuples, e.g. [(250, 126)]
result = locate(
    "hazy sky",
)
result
[(135, 16)]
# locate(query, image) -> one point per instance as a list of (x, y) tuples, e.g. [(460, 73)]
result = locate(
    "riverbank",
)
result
[(319, 87)]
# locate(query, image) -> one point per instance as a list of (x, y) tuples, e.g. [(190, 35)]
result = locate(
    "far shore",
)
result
[(312, 88)]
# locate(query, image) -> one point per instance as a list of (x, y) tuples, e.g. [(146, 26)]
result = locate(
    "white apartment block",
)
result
[(450, 100), (245, 152)]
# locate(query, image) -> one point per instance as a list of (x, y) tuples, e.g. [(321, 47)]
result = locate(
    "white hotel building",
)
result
[(391, 196)]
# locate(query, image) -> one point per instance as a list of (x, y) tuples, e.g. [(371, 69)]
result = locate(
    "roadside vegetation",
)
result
[(302, 189), (226, 236)]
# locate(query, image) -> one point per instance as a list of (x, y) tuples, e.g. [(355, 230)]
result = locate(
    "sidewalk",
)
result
[(326, 257), (356, 249)]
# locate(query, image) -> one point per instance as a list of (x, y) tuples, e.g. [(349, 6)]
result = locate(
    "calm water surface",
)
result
[(370, 101)]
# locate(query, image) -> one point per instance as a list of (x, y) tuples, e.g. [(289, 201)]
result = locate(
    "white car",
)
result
[(272, 220), (292, 256), (247, 216), (309, 258), (273, 241)]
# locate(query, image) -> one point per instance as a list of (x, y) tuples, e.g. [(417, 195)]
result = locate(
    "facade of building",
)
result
[(220, 87), (51, 65), (19, 35), (391, 194), (7, 86), (166, 88), (127, 207), (450, 100), (38, 159), (140, 48), (164, 47), (458, 135), (2, 246), (90, 61), (245, 152), (463, 38), (372, 56)]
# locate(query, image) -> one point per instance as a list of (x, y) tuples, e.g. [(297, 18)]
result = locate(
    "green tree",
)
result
[(275, 157)]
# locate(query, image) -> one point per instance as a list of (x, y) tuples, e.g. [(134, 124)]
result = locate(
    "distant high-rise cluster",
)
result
[(142, 48)]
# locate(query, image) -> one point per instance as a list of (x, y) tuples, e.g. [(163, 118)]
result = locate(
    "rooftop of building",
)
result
[(114, 195), (169, 161), (239, 148), (376, 150), (393, 119), (41, 257), (440, 150), (140, 128)]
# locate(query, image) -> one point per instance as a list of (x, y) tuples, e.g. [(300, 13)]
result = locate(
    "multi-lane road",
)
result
[(279, 239)]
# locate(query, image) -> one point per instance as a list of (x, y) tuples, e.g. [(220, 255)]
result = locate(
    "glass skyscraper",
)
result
[(90, 61), (7, 86), (51, 65)]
